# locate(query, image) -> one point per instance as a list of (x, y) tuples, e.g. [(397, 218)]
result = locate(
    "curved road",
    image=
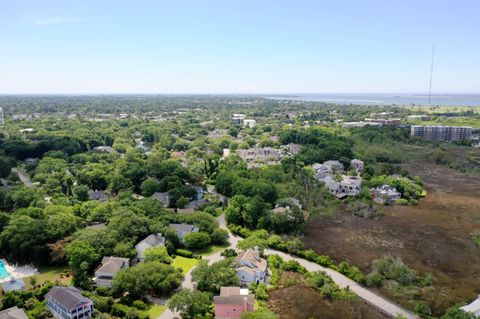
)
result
[(23, 177), (377, 301)]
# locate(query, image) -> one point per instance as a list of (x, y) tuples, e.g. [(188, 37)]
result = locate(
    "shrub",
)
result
[(197, 240), (184, 253), (140, 305), (219, 236)]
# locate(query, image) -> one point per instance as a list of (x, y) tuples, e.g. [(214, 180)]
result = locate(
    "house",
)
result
[(249, 123), (473, 308), (97, 195), (385, 194), (288, 202), (183, 230), (251, 267), (237, 119), (13, 313), (68, 303), (348, 186), (105, 149), (334, 166), (162, 198), (233, 302), (14, 284), (108, 269), (357, 164), (153, 240)]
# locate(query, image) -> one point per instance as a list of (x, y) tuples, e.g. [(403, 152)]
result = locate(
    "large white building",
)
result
[(442, 133)]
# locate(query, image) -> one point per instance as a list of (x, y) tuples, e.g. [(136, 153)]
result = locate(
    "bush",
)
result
[(184, 253), (219, 236), (229, 252), (140, 305), (197, 240)]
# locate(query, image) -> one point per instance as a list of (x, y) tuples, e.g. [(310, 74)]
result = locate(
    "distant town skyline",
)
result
[(239, 47)]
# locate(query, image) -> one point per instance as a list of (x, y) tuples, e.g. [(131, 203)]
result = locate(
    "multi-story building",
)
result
[(68, 303), (442, 133), (251, 267), (419, 118), (249, 123), (237, 119)]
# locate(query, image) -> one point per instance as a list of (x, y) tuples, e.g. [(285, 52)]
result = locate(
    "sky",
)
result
[(241, 46)]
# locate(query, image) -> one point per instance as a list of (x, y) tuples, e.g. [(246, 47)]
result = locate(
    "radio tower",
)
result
[(2, 120), (431, 77)]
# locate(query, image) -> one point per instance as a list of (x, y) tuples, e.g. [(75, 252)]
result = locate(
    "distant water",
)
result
[(384, 99)]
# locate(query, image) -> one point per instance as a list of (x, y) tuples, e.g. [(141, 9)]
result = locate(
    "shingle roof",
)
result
[(112, 264), (251, 257), (233, 296), (13, 313), (69, 297), (184, 227)]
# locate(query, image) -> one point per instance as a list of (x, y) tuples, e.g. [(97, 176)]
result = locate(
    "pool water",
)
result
[(3, 271)]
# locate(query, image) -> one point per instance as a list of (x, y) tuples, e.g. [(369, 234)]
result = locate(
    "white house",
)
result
[(385, 194), (251, 267), (108, 269), (183, 230), (473, 308), (68, 303), (357, 164), (334, 166), (153, 240), (249, 123)]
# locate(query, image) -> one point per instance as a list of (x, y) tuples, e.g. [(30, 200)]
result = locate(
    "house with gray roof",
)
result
[(153, 240), (108, 269), (183, 230), (98, 195), (68, 303), (13, 313), (162, 198)]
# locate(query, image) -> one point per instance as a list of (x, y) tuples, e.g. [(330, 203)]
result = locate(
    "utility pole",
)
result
[(431, 77)]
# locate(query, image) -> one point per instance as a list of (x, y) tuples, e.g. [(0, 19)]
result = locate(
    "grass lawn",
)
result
[(49, 273), (156, 310), (211, 250), (185, 263)]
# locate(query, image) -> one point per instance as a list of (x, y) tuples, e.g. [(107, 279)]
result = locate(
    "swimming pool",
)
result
[(3, 271)]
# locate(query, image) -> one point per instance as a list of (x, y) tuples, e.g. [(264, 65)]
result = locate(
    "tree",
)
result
[(151, 277), (212, 277), (229, 252), (81, 192), (219, 236), (81, 257), (150, 186), (456, 313), (191, 304), (197, 240), (158, 253)]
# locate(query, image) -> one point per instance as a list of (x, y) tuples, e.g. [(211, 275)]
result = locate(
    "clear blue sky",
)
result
[(241, 46)]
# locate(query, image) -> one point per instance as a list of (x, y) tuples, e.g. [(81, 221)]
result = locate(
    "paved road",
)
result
[(23, 177), (377, 301), (187, 281)]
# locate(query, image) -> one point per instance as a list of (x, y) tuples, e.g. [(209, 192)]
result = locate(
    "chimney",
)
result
[(245, 304)]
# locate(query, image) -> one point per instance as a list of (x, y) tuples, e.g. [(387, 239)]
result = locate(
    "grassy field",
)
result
[(156, 310), (212, 250), (50, 274), (185, 263)]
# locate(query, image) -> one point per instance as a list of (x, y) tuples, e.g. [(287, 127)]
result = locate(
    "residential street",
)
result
[(23, 177), (377, 301)]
